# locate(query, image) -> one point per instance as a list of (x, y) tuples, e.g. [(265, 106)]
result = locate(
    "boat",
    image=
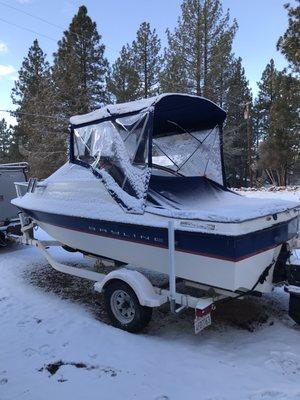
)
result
[(133, 168), (9, 220)]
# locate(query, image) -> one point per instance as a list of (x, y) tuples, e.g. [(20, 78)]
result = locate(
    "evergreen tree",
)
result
[(123, 82), (146, 59), (235, 131), (135, 74), (34, 95), (265, 99), (289, 43), (80, 68), (278, 105), (8, 143), (34, 75), (198, 56), (5, 141)]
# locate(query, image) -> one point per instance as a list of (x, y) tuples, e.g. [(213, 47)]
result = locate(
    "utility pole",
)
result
[(249, 141)]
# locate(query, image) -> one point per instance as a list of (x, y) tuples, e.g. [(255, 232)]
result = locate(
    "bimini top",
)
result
[(190, 111)]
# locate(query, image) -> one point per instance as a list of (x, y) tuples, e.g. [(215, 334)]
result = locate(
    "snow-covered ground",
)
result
[(55, 342), (291, 193)]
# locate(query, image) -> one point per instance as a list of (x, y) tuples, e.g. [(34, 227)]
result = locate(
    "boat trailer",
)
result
[(148, 295), (130, 296), (121, 307)]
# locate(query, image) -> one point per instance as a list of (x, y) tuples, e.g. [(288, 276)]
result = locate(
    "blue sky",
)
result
[(261, 22)]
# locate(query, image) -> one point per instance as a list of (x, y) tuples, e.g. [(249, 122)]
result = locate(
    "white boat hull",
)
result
[(241, 275)]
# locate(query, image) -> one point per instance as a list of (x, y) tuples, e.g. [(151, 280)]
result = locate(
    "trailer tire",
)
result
[(124, 308), (294, 307)]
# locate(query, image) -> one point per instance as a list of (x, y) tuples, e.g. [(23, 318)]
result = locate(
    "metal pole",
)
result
[(172, 277)]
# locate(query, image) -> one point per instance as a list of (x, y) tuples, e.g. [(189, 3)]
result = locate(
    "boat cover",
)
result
[(188, 110), (202, 198)]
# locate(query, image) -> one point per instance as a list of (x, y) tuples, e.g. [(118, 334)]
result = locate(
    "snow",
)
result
[(122, 108), (289, 193), (252, 350), (75, 191), (226, 207)]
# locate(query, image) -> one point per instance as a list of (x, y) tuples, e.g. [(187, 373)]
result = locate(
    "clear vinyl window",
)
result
[(190, 153), (118, 150)]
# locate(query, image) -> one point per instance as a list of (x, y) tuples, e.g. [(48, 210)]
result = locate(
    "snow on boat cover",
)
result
[(215, 205), (129, 107)]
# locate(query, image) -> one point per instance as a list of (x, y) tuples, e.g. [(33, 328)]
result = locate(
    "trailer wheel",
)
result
[(294, 307), (124, 308)]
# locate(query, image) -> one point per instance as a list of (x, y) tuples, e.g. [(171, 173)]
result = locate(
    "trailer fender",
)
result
[(141, 285)]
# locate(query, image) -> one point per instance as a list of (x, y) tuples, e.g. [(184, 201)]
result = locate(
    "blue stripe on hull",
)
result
[(232, 248)]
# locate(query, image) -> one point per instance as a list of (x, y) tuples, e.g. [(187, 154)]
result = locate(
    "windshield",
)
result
[(117, 150), (189, 153)]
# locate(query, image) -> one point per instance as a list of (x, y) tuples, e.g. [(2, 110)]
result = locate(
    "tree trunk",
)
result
[(198, 54), (146, 89), (205, 50)]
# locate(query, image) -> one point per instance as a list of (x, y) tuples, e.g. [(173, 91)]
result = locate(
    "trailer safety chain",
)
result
[(264, 275)]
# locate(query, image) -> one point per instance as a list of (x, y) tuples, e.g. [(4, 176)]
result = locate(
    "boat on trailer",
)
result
[(145, 185)]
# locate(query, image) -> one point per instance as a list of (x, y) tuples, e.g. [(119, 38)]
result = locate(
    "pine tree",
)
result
[(278, 105), (123, 82), (147, 61), (235, 130), (198, 55), (80, 68), (33, 94), (9, 151), (34, 76), (266, 97), (135, 74), (289, 43), (5, 141)]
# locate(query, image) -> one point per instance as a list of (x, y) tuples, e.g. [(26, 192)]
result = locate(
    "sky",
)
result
[(261, 22)]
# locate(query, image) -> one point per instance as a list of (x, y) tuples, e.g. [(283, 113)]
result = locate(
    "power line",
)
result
[(27, 29), (29, 14), (46, 22)]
